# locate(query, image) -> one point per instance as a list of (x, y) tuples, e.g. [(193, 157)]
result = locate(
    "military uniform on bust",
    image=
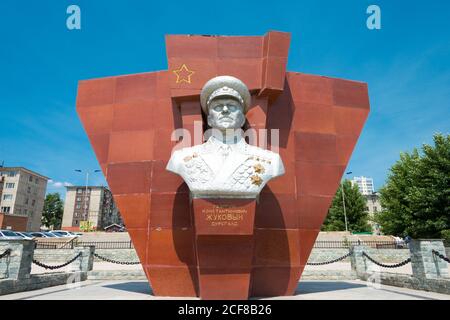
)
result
[(225, 166)]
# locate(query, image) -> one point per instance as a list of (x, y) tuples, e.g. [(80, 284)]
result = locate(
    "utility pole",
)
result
[(343, 202), (86, 211)]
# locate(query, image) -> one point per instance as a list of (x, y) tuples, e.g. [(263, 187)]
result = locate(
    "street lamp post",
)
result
[(343, 203), (86, 211)]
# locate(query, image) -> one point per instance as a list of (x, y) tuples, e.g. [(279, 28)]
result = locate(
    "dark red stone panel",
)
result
[(241, 48), (284, 184), (170, 210), (192, 46), (96, 119), (95, 92), (179, 281), (349, 121), (317, 179), (224, 283), (134, 115), (204, 69), (134, 209), (274, 281), (140, 241), (277, 211), (168, 247), (215, 251), (312, 210), (131, 146), (248, 70), (314, 118), (100, 144), (136, 87), (315, 148), (276, 44), (276, 247), (310, 88), (308, 237), (127, 178), (352, 94), (164, 181)]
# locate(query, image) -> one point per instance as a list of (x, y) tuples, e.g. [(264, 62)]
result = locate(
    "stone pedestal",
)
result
[(86, 261), (224, 246), (358, 262), (424, 263), (18, 264)]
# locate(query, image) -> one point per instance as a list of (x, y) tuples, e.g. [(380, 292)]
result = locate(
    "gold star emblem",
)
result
[(256, 179), (183, 74), (259, 168)]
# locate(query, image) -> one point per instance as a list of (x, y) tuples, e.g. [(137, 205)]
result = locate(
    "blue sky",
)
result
[(406, 65)]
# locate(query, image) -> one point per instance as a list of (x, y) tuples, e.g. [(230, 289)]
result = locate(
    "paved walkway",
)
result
[(306, 290)]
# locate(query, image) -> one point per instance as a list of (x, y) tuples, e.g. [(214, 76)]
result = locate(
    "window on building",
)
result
[(79, 199), (78, 206), (375, 209), (7, 197), (30, 178), (36, 180), (26, 200), (33, 202), (11, 173), (10, 185), (25, 211), (5, 209), (18, 211), (367, 208), (29, 189), (79, 190), (76, 222)]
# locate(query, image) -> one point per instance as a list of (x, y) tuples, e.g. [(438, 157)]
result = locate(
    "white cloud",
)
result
[(59, 184)]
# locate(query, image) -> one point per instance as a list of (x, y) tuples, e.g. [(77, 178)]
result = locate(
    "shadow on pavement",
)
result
[(324, 286), (137, 287)]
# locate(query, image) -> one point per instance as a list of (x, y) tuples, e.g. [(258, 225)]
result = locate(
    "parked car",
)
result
[(42, 235), (24, 235), (64, 233), (9, 235)]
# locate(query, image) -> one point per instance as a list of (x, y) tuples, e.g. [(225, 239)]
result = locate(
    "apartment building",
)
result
[(92, 204), (22, 195)]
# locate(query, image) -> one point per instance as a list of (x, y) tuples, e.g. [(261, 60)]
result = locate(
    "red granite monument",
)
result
[(130, 120)]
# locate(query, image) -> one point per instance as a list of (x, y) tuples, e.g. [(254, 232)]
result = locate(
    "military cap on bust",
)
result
[(225, 86)]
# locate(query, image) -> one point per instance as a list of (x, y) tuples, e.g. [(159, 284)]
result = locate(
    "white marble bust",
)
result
[(225, 166)]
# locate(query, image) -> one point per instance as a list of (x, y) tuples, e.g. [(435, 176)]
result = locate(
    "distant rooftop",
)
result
[(23, 169)]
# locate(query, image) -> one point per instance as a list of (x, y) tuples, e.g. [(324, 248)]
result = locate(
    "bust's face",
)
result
[(225, 113)]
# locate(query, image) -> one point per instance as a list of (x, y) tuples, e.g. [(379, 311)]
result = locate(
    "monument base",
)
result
[(224, 245)]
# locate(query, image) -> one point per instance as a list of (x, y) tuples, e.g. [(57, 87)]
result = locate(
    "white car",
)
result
[(43, 235), (64, 233), (24, 235), (9, 235)]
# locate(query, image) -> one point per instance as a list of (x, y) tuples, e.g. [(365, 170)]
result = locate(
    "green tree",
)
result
[(416, 197), (355, 208), (53, 211)]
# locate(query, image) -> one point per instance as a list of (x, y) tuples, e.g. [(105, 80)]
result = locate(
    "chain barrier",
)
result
[(40, 264), (115, 261), (6, 253), (331, 261), (440, 256), (400, 264)]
